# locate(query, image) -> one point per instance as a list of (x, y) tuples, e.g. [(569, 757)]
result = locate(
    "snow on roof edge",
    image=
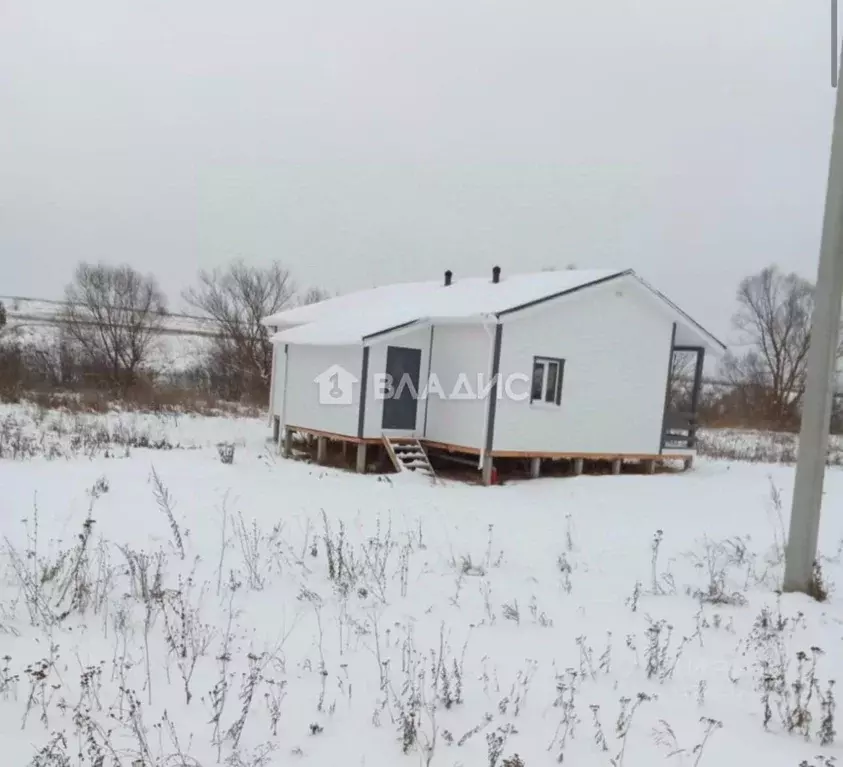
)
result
[(717, 346), (313, 327)]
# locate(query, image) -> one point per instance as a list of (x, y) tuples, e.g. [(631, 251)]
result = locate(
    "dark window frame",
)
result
[(544, 363)]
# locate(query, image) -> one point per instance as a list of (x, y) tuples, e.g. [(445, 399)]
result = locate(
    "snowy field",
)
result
[(29, 431), (160, 608), (764, 446), (181, 347)]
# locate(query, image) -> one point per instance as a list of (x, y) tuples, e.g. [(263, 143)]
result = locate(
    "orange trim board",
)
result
[(453, 448), (333, 435), (584, 456)]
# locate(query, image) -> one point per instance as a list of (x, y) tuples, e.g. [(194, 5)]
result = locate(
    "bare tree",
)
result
[(774, 321), (2, 316), (682, 368), (112, 317), (237, 299), (314, 296)]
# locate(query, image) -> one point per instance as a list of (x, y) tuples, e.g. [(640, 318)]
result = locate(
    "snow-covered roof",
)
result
[(356, 317)]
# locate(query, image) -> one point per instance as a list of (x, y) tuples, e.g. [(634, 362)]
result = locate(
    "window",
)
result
[(547, 380)]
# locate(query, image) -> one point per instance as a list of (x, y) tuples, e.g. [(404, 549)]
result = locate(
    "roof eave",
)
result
[(374, 337), (710, 341), (561, 293)]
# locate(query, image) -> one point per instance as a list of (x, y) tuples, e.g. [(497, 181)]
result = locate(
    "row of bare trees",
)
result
[(114, 315), (761, 380), (767, 366), (236, 300)]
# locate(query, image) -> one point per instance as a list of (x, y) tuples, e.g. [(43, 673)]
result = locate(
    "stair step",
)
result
[(407, 454)]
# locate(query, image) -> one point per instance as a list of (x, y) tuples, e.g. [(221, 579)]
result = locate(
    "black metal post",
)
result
[(668, 386), (695, 396)]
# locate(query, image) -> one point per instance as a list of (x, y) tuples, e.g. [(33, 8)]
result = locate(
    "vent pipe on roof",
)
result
[(448, 275), (496, 274)]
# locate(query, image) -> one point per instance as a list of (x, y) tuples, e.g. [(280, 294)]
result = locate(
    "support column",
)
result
[(698, 380), (688, 463), (321, 449), (488, 465), (649, 466), (578, 466), (616, 466), (695, 397), (668, 392), (535, 467), (361, 458), (287, 449)]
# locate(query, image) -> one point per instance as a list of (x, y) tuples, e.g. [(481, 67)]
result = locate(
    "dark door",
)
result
[(399, 406)]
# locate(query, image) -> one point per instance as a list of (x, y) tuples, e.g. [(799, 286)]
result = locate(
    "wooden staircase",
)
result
[(407, 454)]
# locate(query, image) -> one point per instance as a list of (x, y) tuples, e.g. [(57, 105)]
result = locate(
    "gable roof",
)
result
[(357, 318)]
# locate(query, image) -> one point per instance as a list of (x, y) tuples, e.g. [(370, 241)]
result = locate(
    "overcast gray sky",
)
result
[(370, 141)]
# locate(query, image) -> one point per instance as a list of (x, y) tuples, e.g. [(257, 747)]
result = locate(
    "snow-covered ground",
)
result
[(163, 608), (28, 431), (763, 446)]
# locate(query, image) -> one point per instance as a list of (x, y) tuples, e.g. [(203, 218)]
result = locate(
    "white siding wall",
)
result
[(459, 349), (279, 362), (415, 339), (303, 408), (616, 350)]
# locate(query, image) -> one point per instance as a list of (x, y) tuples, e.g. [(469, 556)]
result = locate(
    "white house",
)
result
[(562, 364)]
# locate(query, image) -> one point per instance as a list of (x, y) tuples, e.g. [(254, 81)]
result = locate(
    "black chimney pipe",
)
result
[(496, 274), (448, 275)]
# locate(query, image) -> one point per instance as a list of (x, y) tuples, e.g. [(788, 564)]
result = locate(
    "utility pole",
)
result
[(834, 43), (821, 369)]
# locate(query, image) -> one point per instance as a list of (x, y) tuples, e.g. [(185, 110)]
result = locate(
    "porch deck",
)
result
[(580, 462)]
